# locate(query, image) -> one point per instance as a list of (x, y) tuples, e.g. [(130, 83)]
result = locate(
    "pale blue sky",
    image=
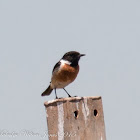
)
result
[(34, 35)]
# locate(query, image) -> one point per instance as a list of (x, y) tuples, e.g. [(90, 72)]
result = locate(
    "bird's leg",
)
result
[(67, 92), (55, 94)]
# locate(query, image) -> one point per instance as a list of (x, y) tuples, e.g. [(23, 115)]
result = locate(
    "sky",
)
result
[(34, 35)]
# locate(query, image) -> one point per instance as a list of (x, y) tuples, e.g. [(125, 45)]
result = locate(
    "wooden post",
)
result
[(75, 118)]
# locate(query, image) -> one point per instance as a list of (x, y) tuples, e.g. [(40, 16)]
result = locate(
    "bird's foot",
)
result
[(72, 96)]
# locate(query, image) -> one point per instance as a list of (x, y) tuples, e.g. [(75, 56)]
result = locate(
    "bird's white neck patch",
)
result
[(63, 62)]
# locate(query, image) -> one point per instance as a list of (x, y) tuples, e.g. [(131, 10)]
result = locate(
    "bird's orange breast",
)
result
[(65, 75), (68, 72)]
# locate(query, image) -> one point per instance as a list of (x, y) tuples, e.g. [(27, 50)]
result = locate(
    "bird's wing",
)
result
[(56, 67)]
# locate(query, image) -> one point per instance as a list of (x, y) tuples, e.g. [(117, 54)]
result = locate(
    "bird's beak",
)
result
[(82, 55)]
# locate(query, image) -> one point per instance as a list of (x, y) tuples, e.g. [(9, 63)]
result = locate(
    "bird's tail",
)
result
[(47, 91)]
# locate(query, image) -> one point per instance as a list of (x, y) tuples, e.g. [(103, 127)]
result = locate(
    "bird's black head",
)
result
[(73, 57)]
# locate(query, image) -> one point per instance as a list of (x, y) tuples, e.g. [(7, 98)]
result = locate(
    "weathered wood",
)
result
[(75, 118)]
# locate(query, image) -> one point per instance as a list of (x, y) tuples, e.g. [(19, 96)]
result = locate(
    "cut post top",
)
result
[(70, 99)]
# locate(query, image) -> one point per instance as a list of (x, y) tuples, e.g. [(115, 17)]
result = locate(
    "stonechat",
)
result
[(64, 72)]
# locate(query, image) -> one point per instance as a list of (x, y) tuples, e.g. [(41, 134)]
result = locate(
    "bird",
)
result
[(64, 72)]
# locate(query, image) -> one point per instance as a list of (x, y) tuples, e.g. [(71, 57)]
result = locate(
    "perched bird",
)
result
[(64, 72)]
